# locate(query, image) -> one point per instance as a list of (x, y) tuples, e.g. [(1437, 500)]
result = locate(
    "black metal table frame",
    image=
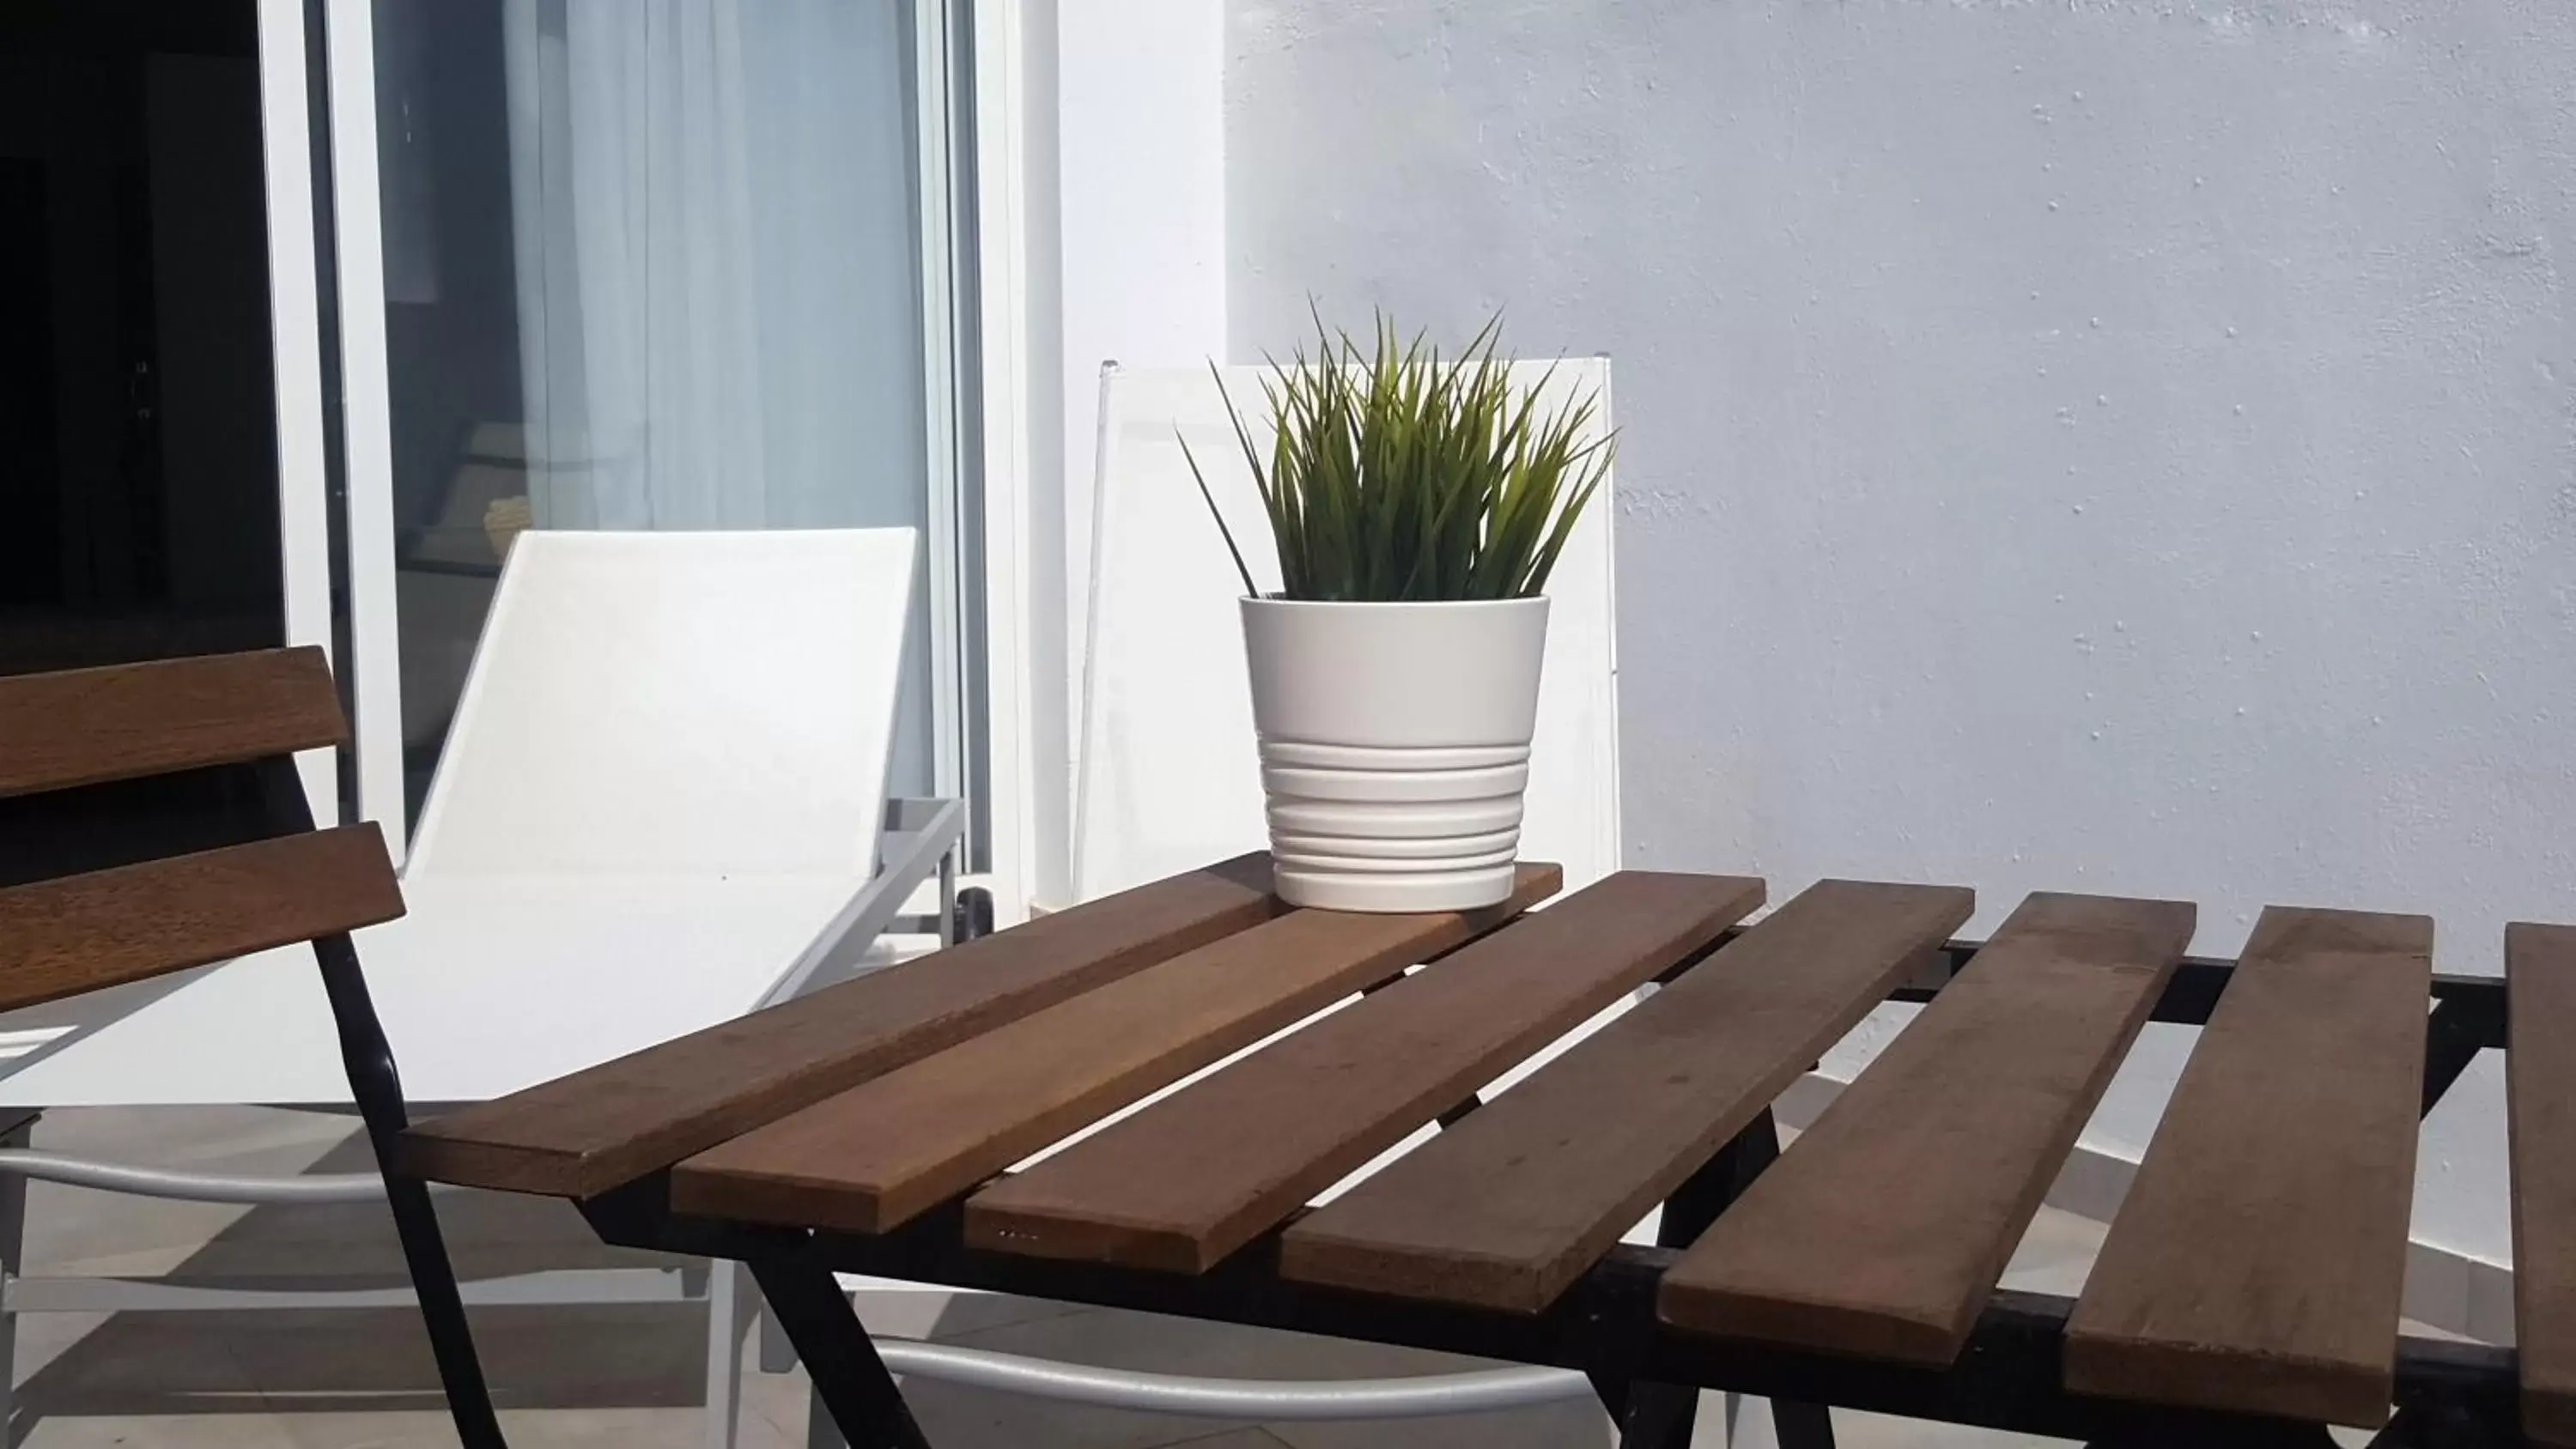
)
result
[(1648, 1375)]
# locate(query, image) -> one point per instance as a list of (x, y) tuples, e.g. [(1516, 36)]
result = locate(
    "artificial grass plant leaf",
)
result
[(1397, 474)]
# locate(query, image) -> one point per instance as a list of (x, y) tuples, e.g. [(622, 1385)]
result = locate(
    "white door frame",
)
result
[(1012, 611), (295, 337), (372, 672), (369, 674), (934, 182), (366, 418)]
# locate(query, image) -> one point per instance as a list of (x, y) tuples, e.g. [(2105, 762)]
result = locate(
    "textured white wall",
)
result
[(1123, 152), (1141, 146), (2098, 444)]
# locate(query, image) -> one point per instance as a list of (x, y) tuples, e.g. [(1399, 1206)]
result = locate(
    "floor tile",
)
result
[(555, 1429), (902, 1313), (252, 1430)]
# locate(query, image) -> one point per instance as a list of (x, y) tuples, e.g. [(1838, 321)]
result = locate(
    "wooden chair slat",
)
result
[(2258, 1263), (1883, 1229), (596, 1129), (80, 933), (877, 1155), (88, 726), (2540, 1088), (1507, 1208), (1190, 1179)]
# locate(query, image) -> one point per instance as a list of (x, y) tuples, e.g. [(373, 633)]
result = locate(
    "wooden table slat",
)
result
[(1506, 1209), (80, 933), (877, 1155), (1883, 1229), (582, 1134), (2258, 1263), (1190, 1179), (2540, 1097), (123, 721)]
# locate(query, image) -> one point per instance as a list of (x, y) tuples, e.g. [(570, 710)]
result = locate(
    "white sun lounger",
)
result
[(662, 804)]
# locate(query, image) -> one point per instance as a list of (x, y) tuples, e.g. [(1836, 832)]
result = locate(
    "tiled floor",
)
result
[(630, 1376)]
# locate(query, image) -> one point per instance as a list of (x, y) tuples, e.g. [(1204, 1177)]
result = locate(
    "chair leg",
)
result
[(1802, 1426), (377, 1088), (1658, 1416), (372, 1080)]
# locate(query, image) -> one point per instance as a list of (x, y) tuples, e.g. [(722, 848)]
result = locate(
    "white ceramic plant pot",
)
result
[(1395, 745)]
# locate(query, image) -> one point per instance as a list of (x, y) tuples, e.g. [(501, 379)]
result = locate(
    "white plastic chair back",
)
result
[(1165, 769), (676, 703)]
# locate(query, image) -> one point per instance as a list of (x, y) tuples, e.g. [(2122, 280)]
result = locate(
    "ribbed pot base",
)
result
[(1395, 744), (1457, 890), (1383, 832)]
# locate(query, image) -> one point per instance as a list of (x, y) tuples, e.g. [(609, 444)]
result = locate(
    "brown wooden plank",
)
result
[(80, 933), (1196, 1176), (2258, 1261), (877, 1155), (85, 726), (581, 1135), (1512, 1204), (2540, 1096), (1882, 1231)]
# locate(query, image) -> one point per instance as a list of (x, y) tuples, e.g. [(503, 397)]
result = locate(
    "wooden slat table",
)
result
[(2247, 1293)]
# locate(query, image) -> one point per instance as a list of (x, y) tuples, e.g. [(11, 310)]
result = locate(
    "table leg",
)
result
[(1662, 1416), (849, 1378), (2453, 1036), (1801, 1426)]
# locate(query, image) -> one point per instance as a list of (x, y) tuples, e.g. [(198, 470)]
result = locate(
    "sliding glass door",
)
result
[(636, 264)]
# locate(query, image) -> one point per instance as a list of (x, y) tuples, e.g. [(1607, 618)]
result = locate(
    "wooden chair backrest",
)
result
[(81, 933)]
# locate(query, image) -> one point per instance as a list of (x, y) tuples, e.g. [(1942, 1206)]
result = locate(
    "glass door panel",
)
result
[(652, 264)]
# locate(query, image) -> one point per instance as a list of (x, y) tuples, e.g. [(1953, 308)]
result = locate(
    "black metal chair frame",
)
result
[(377, 1087), (263, 795)]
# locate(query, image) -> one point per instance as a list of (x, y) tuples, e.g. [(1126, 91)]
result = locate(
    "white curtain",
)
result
[(715, 211), (716, 224)]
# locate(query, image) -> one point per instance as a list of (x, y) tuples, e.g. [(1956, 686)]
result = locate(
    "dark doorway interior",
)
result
[(138, 422), (138, 445)]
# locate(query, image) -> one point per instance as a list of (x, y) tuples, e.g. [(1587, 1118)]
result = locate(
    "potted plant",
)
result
[(1417, 503)]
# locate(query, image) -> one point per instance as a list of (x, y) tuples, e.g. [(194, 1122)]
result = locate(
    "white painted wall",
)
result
[(1140, 153), (2105, 445)]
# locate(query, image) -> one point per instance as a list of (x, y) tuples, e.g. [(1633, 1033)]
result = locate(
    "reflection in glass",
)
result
[(648, 264)]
